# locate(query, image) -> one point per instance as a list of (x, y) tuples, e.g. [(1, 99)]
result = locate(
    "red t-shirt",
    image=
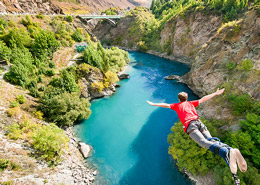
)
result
[(186, 111)]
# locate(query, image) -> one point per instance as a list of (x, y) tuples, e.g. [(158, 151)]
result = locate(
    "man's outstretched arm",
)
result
[(164, 105), (206, 98)]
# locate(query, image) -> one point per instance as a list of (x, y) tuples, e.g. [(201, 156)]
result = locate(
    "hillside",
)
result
[(67, 6), (40, 86)]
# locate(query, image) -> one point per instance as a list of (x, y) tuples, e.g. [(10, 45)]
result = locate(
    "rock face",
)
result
[(29, 6), (207, 45)]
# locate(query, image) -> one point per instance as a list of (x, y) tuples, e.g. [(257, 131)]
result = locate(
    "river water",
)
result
[(129, 137)]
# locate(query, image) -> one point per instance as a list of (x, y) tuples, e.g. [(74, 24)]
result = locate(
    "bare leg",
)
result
[(240, 161)]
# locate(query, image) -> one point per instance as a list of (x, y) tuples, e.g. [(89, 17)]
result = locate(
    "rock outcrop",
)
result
[(29, 6), (91, 84)]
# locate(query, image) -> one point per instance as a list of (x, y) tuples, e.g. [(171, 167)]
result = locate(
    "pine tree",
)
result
[(152, 5)]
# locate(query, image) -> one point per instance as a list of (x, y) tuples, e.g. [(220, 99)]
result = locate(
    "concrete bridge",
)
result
[(107, 17)]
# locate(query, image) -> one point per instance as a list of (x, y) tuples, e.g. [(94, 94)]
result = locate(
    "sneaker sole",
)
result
[(232, 162), (241, 161)]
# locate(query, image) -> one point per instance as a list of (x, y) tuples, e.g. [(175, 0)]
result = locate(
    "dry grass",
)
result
[(72, 8), (61, 57)]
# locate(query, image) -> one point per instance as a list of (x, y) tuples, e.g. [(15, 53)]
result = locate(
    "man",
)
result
[(199, 133)]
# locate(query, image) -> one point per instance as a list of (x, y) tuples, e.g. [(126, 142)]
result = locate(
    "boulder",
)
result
[(175, 77), (123, 76), (85, 149), (170, 77)]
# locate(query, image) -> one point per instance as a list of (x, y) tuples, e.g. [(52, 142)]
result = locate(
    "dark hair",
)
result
[(183, 96)]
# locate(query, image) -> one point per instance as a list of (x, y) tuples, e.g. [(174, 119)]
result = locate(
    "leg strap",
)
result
[(215, 148)]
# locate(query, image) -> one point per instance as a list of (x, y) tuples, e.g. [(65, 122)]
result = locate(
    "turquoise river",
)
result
[(129, 137)]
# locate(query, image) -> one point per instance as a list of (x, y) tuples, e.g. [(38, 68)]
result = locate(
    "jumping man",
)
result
[(199, 133)]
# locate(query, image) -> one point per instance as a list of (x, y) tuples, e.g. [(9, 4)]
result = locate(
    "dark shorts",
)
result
[(196, 125)]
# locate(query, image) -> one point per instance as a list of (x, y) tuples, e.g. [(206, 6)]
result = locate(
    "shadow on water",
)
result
[(155, 166)]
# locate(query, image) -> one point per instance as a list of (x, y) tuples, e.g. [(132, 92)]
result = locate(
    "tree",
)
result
[(152, 5), (5, 52), (64, 109), (45, 44)]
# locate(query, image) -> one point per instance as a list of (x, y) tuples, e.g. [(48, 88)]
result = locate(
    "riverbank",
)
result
[(30, 169)]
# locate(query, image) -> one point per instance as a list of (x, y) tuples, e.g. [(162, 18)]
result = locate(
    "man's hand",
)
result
[(218, 92), (151, 103), (206, 98)]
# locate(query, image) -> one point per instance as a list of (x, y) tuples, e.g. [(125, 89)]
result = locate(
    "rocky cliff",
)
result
[(29, 6), (215, 51)]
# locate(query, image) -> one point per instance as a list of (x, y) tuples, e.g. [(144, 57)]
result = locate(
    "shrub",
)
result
[(49, 141), (50, 72), (77, 36), (34, 92), (22, 70), (241, 104), (64, 109), (98, 86), (42, 88), (13, 111), (40, 16), (14, 104), (4, 164), (3, 23), (14, 131), (142, 46), (17, 38), (51, 64), (69, 18), (67, 82), (45, 44), (20, 99), (230, 66), (5, 52), (38, 115), (245, 65), (110, 78)]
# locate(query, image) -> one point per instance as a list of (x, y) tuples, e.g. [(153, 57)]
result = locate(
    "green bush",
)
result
[(230, 66), (40, 16), (21, 99), (4, 164), (49, 141), (245, 65), (241, 104), (17, 38), (5, 52), (69, 18), (113, 59), (142, 46), (34, 92), (64, 109), (67, 82), (14, 131), (77, 36), (50, 72), (14, 104), (3, 23), (45, 44), (22, 70)]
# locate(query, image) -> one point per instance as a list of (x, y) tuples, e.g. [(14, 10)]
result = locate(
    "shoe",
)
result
[(240, 161), (235, 178), (232, 160)]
